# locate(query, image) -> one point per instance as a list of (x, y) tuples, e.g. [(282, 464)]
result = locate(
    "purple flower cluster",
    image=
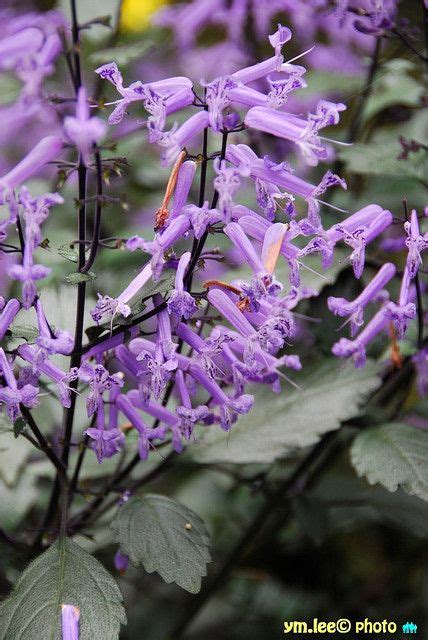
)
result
[(127, 378)]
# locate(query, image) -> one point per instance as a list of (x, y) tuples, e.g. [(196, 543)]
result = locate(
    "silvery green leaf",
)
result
[(393, 455), (164, 536), (64, 574), (279, 424)]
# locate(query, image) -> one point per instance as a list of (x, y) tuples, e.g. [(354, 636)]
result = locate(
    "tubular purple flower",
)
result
[(11, 395), (82, 130), (19, 45), (8, 314), (70, 615), (52, 341), (28, 273), (139, 91), (176, 139), (277, 40), (361, 236), (236, 234), (181, 303), (416, 243), (121, 562), (202, 217), (356, 348), (182, 188), (45, 151), (405, 310), (304, 133), (355, 309), (176, 229), (111, 306), (225, 306), (106, 442), (145, 433)]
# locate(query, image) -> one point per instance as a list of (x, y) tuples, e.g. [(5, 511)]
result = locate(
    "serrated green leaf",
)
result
[(278, 425), (77, 278), (393, 455), (68, 253), (164, 536), (64, 574)]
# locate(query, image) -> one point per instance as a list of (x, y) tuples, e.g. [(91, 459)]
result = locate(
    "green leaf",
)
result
[(393, 455), (394, 86), (77, 278), (122, 55), (379, 158), (18, 427), (64, 574), (68, 253), (279, 424), (25, 331), (164, 536)]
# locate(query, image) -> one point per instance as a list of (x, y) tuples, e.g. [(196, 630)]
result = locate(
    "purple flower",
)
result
[(356, 348), (11, 395), (182, 188), (361, 236), (83, 131), (44, 151), (121, 562), (145, 433), (416, 243), (99, 380), (181, 303), (355, 309), (110, 306), (177, 138), (154, 95), (304, 133), (70, 615), (36, 211), (106, 442), (28, 273), (277, 40), (52, 340), (7, 316), (226, 183)]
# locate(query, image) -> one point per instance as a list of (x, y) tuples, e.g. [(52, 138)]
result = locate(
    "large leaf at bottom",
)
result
[(279, 424), (64, 574), (394, 455), (164, 536)]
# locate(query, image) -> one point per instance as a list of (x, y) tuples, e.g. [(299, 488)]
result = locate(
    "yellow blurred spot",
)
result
[(136, 14)]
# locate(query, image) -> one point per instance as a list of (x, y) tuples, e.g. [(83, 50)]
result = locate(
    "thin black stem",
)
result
[(98, 213), (78, 467), (409, 45), (355, 127), (291, 486), (44, 445), (196, 251), (68, 416), (76, 45), (88, 513)]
